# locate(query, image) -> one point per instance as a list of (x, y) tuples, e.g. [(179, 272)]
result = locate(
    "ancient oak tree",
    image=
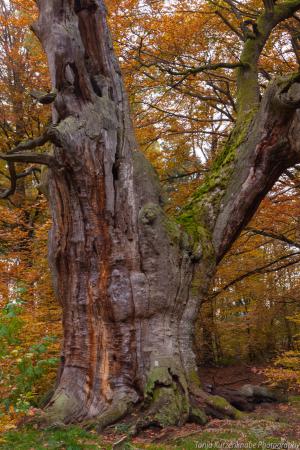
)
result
[(129, 278)]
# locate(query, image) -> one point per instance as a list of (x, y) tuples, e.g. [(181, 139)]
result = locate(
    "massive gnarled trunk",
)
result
[(121, 278), (130, 280)]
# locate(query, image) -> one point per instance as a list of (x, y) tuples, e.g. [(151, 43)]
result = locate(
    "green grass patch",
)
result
[(228, 434), (71, 438), (226, 437)]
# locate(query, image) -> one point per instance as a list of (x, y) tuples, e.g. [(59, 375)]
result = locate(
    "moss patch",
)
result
[(149, 213), (198, 416), (174, 232), (198, 216), (166, 397), (158, 375), (170, 406), (286, 82), (194, 379), (63, 406), (222, 405)]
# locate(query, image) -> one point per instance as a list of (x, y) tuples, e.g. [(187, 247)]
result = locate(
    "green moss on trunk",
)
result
[(166, 397), (198, 217), (197, 415)]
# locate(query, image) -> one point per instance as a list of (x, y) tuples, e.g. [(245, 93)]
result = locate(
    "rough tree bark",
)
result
[(130, 280)]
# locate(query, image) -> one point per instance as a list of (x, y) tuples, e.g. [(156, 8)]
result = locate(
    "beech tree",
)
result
[(129, 278)]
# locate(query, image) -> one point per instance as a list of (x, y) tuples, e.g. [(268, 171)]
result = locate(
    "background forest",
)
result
[(181, 114)]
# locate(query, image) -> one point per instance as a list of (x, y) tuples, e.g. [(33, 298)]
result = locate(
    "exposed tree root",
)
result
[(62, 410), (169, 400), (220, 408), (113, 414), (213, 405), (167, 407)]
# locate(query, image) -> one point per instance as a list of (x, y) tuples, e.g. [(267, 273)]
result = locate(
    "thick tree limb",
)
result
[(15, 155), (36, 158), (259, 150), (248, 85), (289, 95), (31, 144), (45, 98), (271, 146)]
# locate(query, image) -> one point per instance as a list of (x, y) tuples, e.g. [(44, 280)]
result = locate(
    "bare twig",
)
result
[(267, 268), (199, 69), (230, 25), (278, 237)]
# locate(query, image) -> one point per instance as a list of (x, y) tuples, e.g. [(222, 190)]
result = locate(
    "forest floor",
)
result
[(270, 426)]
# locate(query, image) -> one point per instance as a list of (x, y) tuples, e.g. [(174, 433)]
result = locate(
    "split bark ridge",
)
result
[(130, 280)]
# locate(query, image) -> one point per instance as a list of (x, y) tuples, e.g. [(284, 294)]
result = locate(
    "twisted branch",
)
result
[(20, 154)]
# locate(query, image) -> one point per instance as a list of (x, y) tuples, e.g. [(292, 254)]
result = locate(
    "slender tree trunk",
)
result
[(123, 271)]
